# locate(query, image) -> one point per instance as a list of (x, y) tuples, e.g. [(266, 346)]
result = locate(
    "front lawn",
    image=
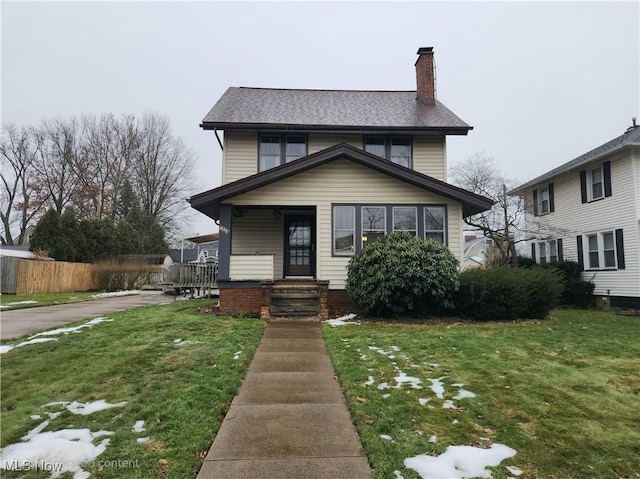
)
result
[(564, 393), (176, 369)]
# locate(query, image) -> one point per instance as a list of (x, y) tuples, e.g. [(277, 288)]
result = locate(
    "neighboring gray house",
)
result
[(588, 210), (310, 177), (475, 252)]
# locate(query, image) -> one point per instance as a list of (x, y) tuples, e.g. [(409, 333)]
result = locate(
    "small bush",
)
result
[(579, 293), (508, 293), (118, 276), (400, 274)]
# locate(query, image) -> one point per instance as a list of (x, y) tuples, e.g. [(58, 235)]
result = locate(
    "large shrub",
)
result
[(400, 275), (577, 291), (508, 293)]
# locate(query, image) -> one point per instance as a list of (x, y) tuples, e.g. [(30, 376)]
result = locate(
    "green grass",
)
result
[(563, 392), (182, 393), (44, 299)]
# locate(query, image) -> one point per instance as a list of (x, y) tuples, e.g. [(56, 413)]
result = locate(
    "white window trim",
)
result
[(590, 195), (601, 251), (547, 252), (541, 210)]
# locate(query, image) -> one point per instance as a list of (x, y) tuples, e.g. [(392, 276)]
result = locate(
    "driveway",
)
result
[(14, 324)]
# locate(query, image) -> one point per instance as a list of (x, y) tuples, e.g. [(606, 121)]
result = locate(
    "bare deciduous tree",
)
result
[(57, 143), (21, 194), (504, 222), (163, 171)]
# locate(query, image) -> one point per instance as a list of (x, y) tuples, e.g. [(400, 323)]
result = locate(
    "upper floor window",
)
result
[(393, 148), (275, 150), (543, 200), (595, 182)]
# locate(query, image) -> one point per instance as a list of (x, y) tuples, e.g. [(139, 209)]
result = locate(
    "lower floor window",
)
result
[(372, 222), (344, 230), (601, 250), (547, 252)]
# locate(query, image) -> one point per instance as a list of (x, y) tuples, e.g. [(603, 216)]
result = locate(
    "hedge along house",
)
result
[(310, 177)]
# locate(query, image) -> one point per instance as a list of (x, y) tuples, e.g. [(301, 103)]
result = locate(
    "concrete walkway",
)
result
[(290, 418)]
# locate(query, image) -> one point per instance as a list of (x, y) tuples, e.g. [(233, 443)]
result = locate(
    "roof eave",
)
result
[(436, 130)]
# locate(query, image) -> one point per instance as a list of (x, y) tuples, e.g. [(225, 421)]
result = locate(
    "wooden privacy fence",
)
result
[(23, 277)]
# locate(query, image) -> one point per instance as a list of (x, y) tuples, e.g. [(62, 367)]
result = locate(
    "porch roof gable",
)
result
[(208, 202)]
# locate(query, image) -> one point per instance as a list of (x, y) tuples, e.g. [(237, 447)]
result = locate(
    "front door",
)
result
[(299, 246)]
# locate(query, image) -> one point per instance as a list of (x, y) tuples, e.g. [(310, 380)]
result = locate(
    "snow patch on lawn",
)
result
[(179, 342), (460, 462), (237, 355), (114, 294), (402, 378), (437, 387), (15, 303), (343, 320), (142, 440), (386, 437), (5, 348), (85, 409), (60, 451), (138, 426), (462, 394), (35, 339), (73, 329)]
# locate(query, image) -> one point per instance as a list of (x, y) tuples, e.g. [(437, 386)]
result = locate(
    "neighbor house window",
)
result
[(601, 250), (596, 185), (275, 150), (374, 223), (396, 149), (595, 182), (434, 218), (548, 251), (543, 200), (405, 218), (344, 230)]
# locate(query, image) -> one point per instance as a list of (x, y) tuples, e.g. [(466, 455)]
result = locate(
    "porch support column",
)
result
[(224, 245)]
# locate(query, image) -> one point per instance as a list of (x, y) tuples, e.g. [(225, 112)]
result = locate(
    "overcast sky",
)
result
[(541, 83)]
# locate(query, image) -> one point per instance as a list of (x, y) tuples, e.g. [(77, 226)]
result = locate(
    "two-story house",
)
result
[(310, 177), (588, 210)]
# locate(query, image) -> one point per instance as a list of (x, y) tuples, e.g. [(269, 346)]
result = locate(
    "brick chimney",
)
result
[(426, 76)]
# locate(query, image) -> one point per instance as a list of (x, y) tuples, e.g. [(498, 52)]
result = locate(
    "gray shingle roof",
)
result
[(324, 109), (630, 138)]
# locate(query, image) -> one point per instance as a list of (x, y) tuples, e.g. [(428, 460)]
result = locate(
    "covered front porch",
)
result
[(267, 243)]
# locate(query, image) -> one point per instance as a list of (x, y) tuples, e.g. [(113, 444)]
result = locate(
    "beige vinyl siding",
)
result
[(340, 181), (252, 267), (256, 233), (322, 141), (429, 157), (572, 218), (240, 155)]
